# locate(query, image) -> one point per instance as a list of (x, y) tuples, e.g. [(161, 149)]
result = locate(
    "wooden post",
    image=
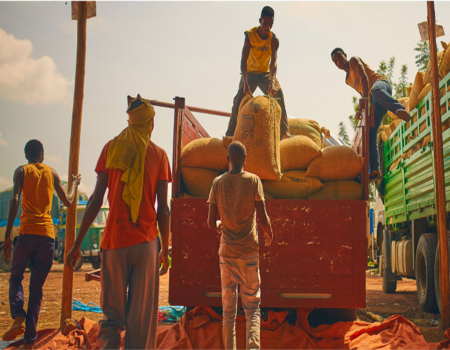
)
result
[(71, 219), (439, 171)]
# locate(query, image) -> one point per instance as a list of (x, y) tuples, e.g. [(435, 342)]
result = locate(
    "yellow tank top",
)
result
[(261, 50), (37, 195), (353, 80)]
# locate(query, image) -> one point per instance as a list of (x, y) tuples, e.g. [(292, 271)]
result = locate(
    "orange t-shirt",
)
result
[(37, 195), (120, 231)]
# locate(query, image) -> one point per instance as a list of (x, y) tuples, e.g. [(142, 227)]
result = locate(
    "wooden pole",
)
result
[(439, 171), (71, 219)]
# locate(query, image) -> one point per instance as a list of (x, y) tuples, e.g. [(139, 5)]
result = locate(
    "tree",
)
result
[(343, 133), (423, 56)]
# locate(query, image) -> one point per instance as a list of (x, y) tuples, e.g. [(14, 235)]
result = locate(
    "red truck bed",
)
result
[(319, 254), (317, 259)]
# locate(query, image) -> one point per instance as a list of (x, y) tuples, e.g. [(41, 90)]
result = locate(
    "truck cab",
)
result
[(90, 247)]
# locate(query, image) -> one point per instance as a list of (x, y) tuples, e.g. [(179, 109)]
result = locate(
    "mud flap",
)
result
[(386, 249)]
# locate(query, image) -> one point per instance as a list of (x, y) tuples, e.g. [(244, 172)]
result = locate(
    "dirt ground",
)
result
[(403, 302)]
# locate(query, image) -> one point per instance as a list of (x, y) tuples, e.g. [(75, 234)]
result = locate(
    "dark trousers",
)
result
[(382, 100), (39, 251), (261, 80)]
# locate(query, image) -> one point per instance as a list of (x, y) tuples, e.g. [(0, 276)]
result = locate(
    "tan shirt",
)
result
[(235, 196)]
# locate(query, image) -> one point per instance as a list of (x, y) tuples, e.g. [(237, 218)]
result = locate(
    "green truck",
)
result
[(408, 241), (90, 247)]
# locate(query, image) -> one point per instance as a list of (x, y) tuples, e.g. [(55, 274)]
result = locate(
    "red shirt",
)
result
[(120, 231)]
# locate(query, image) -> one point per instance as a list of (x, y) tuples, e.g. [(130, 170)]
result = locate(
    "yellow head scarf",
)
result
[(127, 152)]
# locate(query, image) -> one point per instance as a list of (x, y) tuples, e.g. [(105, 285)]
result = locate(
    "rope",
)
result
[(89, 307), (165, 313)]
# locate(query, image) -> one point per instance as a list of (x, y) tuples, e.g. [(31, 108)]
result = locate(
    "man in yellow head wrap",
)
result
[(136, 173)]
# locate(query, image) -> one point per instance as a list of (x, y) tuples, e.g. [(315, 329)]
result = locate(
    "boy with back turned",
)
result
[(237, 196)]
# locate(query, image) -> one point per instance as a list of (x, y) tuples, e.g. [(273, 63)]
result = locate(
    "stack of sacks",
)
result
[(308, 128), (443, 62), (202, 161), (416, 92), (296, 154), (258, 128), (337, 168), (385, 132)]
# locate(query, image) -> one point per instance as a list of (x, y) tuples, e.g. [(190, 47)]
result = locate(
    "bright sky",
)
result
[(189, 49)]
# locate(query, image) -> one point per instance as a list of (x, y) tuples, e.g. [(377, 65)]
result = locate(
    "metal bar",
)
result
[(177, 126), (366, 127), (191, 108), (67, 287), (439, 171)]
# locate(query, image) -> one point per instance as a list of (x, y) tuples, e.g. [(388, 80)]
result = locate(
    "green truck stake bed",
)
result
[(408, 241)]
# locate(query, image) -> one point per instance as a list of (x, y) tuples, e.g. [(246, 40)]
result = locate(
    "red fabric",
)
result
[(201, 328), (120, 231)]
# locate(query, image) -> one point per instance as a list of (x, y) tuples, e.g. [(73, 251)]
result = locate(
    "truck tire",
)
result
[(5, 265), (96, 263), (424, 266), (437, 287), (389, 286), (79, 263)]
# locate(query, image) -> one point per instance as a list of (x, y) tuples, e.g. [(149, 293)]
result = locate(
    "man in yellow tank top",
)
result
[(36, 241), (367, 82), (259, 69)]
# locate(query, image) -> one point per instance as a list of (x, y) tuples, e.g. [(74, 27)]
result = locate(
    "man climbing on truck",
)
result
[(136, 173), (259, 69), (36, 241), (367, 82), (237, 196)]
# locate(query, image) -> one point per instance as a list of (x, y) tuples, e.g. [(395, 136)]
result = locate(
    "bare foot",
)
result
[(403, 115)]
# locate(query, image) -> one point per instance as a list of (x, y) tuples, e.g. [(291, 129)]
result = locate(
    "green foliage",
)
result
[(343, 133), (423, 56), (402, 85)]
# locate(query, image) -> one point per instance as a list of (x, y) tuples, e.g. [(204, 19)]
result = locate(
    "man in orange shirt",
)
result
[(36, 240), (136, 172), (371, 85)]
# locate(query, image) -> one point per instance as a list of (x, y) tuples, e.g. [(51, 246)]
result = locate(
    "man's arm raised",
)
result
[(69, 198), (93, 206), (358, 67), (244, 58), (13, 208)]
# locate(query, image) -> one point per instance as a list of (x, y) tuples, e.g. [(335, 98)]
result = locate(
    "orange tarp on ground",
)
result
[(201, 328)]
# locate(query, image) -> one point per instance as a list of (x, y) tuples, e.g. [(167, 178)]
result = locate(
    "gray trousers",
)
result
[(261, 80), (135, 268), (245, 272)]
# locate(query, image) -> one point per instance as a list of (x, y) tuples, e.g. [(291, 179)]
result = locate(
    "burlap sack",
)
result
[(336, 163), (205, 153), (258, 128), (198, 181), (297, 152), (294, 184), (306, 127), (418, 86), (345, 189)]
